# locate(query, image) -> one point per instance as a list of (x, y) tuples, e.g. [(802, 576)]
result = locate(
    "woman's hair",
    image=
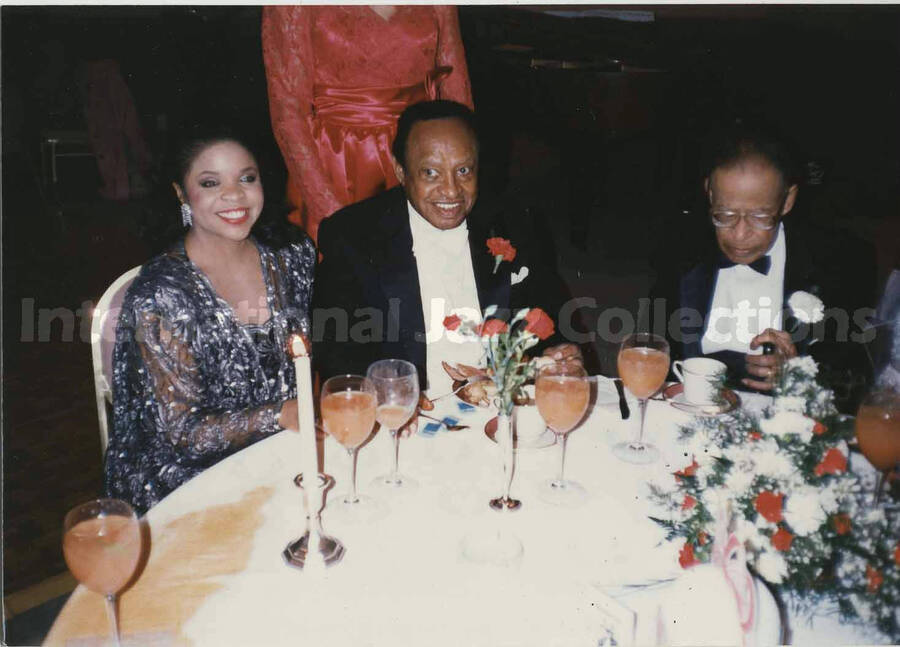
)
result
[(272, 228)]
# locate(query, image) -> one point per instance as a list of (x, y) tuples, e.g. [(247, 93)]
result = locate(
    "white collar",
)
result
[(426, 234)]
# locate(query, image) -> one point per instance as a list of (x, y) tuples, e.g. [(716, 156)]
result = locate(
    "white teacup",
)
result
[(699, 374), (527, 422)]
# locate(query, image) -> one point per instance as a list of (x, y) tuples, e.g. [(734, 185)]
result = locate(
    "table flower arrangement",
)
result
[(804, 518), (504, 347)]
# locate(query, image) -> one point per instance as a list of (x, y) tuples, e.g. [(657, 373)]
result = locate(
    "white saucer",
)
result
[(674, 395)]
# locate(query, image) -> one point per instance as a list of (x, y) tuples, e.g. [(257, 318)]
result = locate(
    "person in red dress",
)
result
[(338, 79)]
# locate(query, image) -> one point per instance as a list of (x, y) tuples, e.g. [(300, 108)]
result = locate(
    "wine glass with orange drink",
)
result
[(643, 364), (102, 547), (397, 386), (562, 393), (878, 433), (348, 415)]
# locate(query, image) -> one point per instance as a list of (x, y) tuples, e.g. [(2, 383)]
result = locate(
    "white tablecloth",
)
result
[(402, 580)]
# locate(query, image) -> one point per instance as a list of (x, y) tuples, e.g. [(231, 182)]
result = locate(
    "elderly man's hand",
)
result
[(565, 354), (766, 366)]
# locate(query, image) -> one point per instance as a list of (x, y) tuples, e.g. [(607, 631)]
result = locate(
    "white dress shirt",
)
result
[(447, 286), (745, 303)]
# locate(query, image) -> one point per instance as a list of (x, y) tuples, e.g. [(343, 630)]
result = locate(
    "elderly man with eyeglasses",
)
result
[(734, 305)]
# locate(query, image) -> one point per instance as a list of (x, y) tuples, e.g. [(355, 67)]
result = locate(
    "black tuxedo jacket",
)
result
[(366, 300), (836, 268)]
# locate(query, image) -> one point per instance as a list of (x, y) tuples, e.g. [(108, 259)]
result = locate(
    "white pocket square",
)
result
[(518, 277)]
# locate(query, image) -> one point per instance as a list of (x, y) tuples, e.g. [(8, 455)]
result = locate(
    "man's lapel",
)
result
[(493, 288), (393, 258)]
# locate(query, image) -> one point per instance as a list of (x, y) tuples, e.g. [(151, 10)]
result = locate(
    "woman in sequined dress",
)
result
[(200, 369)]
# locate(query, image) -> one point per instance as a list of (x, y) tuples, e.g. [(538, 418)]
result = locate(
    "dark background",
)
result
[(606, 148)]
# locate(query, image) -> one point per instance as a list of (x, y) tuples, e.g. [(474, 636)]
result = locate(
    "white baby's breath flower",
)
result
[(739, 480), (806, 307), (829, 499), (748, 534), (790, 403), (785, 423), (771, 566), (805, 364), (803, 511)]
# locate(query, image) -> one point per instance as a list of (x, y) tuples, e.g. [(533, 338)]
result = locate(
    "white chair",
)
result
[(103, 340)]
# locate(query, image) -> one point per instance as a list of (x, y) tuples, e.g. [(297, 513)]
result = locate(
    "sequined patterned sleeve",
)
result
[(176, 380)]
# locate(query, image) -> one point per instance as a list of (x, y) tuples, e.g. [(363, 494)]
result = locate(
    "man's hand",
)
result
[(565, 354), (766, 366)]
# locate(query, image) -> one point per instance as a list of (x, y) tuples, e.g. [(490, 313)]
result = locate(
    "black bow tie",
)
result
[(761, 264)]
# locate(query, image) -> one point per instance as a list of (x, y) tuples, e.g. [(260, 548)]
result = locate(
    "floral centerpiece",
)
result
[(504, 347), (803, 516)]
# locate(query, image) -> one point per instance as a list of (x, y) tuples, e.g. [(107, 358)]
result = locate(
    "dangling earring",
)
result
[(186, 214)]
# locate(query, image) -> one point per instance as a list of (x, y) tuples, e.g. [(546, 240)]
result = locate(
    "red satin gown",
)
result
[(338, 79)]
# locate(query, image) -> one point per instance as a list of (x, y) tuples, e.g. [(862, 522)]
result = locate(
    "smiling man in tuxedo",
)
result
[(735, 300), (395, 265)]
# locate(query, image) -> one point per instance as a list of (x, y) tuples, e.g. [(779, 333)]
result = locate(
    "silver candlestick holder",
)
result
[(314, 549)]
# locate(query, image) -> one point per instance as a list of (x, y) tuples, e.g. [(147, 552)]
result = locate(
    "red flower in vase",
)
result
[(492, 327), (452, 322), (769, 505), (702, 538), (686, 555), (689, 502), (782, 540), (539, 323), (819, 428), (755, 435), (832, 463), (897, 554)]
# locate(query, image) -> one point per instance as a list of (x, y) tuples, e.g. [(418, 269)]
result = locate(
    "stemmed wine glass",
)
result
[(878, 433), (102, 547), (562, 393), (348, 415), (643, 365), (397, 386)]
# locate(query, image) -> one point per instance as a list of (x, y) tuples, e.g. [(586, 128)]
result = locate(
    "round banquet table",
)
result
[(214, 572)]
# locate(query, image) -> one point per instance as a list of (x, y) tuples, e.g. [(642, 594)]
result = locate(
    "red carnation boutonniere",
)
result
[(502, 250)]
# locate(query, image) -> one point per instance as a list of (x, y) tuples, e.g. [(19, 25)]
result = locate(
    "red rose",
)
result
[(501, 247), (492, 327), (841, 524), (755, 435), (452, 322), (819, 428), (686, 555), (897, 554), (690, 470), (769, 505), (782, 539), (539, 323), (875, 579), (689, 502), (702, 538), (833, 462)]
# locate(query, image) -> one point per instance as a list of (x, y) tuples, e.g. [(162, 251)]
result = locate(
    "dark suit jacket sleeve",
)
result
[(338, 286)]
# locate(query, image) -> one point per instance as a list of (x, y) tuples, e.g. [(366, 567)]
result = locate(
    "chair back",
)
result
[(103, 341)]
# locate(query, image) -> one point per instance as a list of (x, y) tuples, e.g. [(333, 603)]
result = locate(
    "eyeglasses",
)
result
[(762, 220)]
